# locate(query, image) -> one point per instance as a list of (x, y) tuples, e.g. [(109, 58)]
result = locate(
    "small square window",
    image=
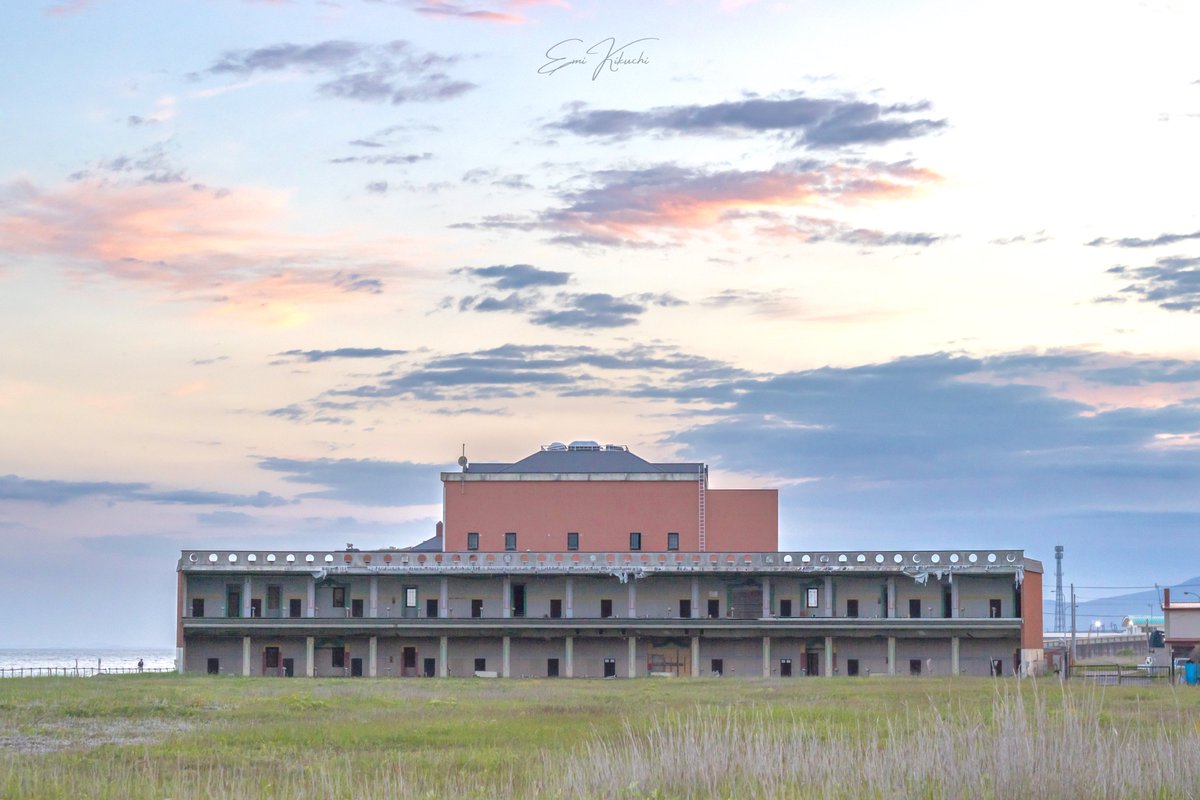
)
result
[(510, 541), (635, 541), (914, 666), (481, 665), (472, 541), (572, 541), (672, 541), (812, 597)]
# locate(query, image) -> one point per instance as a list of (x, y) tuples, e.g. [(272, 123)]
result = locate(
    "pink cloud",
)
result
[(68, 7), (502, 12)]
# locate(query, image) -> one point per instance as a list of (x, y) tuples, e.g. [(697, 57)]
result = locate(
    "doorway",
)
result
[(812, 663), (785, 668), (714, 609), (610, 668), (430, 667), (518, 600), (289, 667), (408, 662), (356, 668)]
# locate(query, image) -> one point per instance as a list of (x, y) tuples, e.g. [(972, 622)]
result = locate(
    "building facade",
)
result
[(587, 561)]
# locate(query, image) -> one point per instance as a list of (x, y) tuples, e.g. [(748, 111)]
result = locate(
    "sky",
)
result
[(931, 269)]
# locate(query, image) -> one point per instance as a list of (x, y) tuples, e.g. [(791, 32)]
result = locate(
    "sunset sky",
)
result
[(930, 268)]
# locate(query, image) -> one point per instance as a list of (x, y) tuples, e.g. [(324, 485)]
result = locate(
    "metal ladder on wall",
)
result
[(701, 482)]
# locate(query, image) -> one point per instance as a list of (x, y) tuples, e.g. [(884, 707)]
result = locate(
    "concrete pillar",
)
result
[(246, 656), (632, 599), (310, 666), (444, 657), (372, 657), (632, 656), (505, 648), (506, 600), (891, 655), (828, 656), (954, 610), (695, 656), (373, 595), (570, 601), (953, 655), (312, 597), (570, 653), (766, 672), (891, 598), (829, 610), (766, 603), (246, 589), (696, 614), (180, 658), (444, 599)]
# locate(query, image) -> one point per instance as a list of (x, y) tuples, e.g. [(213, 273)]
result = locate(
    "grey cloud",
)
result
[(53, 492), (817, 123), (153, 162), (1172, 283), (363, 482), (485, 303), (226, 519), (1039, 237), (595, 310), (341, 352), (516, 276), (388, 160), (1132, 242), (377, 187)]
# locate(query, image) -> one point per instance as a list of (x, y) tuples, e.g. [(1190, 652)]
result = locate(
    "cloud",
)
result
[(153, 162), (377, 187), (386, 160), (516, 276), (636, 207), (68, 8), (1172, 283), (164, 111), (505, 12), (1039, 237), (395, 72), (362, 481), (1131, 242), (53, 492), (226, 519), (814, 123), (600, 310), (312, 356), (813, 230)]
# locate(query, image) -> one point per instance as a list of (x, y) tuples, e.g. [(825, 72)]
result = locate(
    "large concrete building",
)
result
[(588, 561)]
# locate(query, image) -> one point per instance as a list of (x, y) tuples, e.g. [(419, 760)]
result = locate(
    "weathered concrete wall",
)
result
[(742, 520)]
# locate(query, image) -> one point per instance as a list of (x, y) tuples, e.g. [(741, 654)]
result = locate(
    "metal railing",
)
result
[(76, 672), (1119, 674)]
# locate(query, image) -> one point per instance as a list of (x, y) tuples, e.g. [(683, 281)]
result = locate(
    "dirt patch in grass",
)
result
[(88, 734)]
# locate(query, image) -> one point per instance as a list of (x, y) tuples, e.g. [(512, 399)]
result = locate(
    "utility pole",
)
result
[(1060, 620), (1074, 652)]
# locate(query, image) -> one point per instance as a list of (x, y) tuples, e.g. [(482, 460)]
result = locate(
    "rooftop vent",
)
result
[(581, 444), (555, 446), (620, 448)]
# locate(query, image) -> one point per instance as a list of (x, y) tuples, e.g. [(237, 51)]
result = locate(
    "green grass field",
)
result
[(199, 737)]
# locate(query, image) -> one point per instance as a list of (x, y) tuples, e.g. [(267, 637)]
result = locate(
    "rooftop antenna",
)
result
[(1060, 610), (462, 460)]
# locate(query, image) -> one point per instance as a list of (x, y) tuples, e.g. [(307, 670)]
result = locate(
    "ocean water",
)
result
[(86, 657)]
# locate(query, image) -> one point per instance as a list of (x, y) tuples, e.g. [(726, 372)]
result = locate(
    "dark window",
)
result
[(472, 541), (851, 608), (518, 600), (718, 666), (572, 541), (233, 602), (914, 666), (994, 608), (606, 608), (812, 597), (997, 666), (851, 666), (1017, 603), (555, 608), (431, 607), (271, 658), (610, 668), (197, 606), (635, 541), (338, 658), (947, 604), (551, 667), (481, 665), (476, 608), (672, 541), (510, 541), (430, 667), (294, 607), (256, 606), (356, 607), (214, 666), (339, 597), (714, 609), (914, 608), (785, 668), (289, 667), (274, 598), (785, 608), (685, 609)]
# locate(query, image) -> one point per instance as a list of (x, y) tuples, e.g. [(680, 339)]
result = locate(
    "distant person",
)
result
[(141, 664)]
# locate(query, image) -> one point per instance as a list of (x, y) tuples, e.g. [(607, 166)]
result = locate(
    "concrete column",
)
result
[(310, 666), (828, 656), (953, 655), (372, 657), (829, 610), (632, 599), (505, 649), (766, 604), (695, 656), (696, 598), (444, 599), (373, 595), (954, 610), (632, 656), (506, 601), (246, 589), (766, 656), (312, 597), (891, 598), (891, 655), (570, 654), (180, 658), (246, 656), (570, 601), (444, 657)]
